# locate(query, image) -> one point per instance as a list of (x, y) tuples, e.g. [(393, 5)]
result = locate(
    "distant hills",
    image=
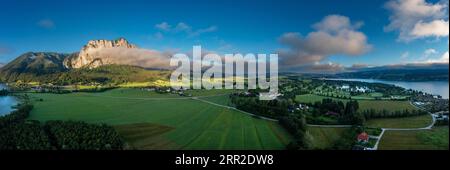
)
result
[(408, 72), (33, 66)]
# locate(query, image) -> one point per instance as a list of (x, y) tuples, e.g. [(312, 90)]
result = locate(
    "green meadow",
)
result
[(389, 105), (403, 122), (325, 137), (149, 120), (434, 139)]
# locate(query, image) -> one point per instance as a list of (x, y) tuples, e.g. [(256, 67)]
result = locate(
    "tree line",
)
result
[(269, 108), (372, 113), (17, 133), (345, 113)]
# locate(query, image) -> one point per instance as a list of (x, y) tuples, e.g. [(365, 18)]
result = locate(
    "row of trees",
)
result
[(296, 125), (372, 113), (346, 113), (16, 117), (269, 108), (16, 133)]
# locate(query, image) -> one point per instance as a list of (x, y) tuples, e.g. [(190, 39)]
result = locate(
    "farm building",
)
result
[(363, 137)]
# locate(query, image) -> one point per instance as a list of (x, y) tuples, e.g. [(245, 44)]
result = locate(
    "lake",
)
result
[(6, 102), (431, 87)]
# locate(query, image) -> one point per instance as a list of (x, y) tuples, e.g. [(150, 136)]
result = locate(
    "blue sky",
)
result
[(224, 26)]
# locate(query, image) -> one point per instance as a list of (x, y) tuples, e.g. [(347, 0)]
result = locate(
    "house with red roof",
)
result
[(363, 137)]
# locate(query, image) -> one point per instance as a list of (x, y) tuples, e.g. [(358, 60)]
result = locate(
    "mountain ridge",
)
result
[(109, 56)]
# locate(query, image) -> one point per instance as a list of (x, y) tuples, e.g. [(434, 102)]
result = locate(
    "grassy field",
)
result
[(156, 121), (405, 122), (222, 99), (434, 139), (363, 104), (324, 138)]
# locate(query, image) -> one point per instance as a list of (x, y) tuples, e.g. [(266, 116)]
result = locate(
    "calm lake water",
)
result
[(431, 87), (6, 102)]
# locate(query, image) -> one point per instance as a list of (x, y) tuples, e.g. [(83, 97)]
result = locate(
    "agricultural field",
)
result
[(221, 99), (149, 120), (404, 122), (378, 105), (324, 137), (435, 139)]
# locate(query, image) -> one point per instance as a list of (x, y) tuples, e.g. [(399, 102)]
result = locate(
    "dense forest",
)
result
[(295, 124), (268, 108), (345, 113), (17, 133)]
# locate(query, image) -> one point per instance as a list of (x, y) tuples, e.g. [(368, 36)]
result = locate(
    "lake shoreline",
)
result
[(432, 87), (8, 102)]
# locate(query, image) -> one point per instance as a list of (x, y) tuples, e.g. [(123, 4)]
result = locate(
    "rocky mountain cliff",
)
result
[(93, 54)]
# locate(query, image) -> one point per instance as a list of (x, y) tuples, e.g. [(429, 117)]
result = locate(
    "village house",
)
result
[(441, 116), (363, 137)]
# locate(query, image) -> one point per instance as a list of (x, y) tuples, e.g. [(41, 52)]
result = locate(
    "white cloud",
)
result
[(134, 56), (164, 26), (46, 23), (436, 28), (415, 19), (405, 55), (432, 57), (158, 36), (442, 59), (201, 31), (334, 35), (184, 28), (429, 52)]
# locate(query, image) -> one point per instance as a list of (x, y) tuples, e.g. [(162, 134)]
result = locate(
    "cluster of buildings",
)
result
[(181, 92), (347, 87), (441, 116)]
